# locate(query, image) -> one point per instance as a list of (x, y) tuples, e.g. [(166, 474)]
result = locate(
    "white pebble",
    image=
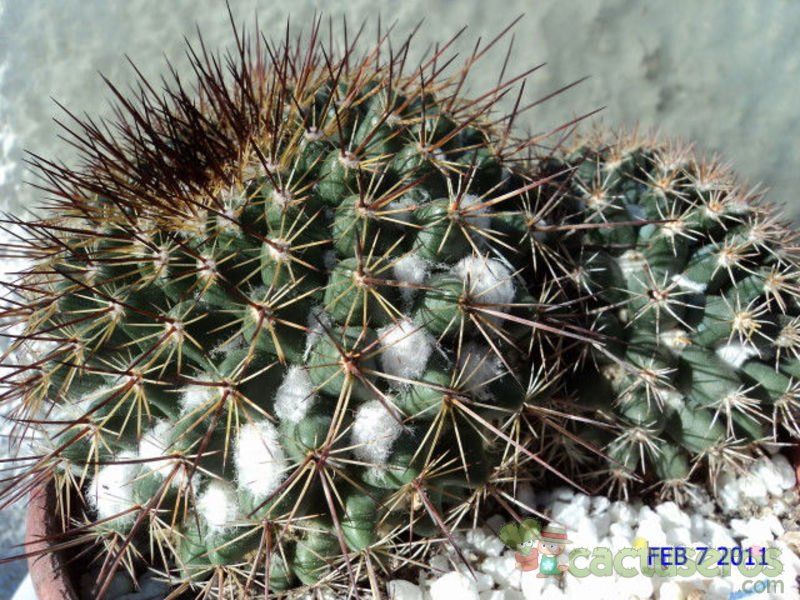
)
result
[(400, 589), (672, 516), (534, 587), (502, 595), (718, 535), (573, 511), (483, 581), (501, 568), (454, 585), (650, 530), (671, 590), (754, 489), (440, 564), (622, 512), (757, 531), (728, 492), (638, 586), (600, 504), (485, 542), (621, 530), (698, 528), (679, 536), (774, 524), (584, 533), (785, 471)]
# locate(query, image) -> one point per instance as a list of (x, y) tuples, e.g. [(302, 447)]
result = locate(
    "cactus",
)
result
[(288, 324), (690, 283)]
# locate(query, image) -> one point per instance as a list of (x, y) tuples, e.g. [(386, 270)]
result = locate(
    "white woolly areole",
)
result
[(736, 354), (406, 349), (479, 216), (295, 396), (155, 444), (489, 280), (374, 431), (478, 367), (675, 339), (111, 490), (400, 209), (197, 398), (688, 284), (218, 506), (631, 261), (259, 459), (318, 320), (412, 270)]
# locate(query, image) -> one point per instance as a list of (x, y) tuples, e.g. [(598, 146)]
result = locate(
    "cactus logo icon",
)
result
[(536, 548)]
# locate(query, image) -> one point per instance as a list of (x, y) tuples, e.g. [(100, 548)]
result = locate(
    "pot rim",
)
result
[(47, 570)]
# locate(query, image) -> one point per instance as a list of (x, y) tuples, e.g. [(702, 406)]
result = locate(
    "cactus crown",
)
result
[(693, 284), (286, 321)]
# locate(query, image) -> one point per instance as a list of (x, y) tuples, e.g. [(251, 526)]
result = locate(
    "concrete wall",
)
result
[(725, 73)]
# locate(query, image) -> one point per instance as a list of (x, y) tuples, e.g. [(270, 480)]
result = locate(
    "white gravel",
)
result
[(756, 508)]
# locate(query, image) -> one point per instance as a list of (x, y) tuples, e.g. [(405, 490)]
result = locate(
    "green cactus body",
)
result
[(294, 325), (693, 286)]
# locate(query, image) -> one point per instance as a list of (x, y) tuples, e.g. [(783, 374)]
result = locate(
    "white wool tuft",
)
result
[(631, 262), (259, 458), (400, 209), (478, 367), (318, 321), (218, 506), (688, 284), (489, 280), (374, 431), (295, 396), (197, 398), (412, 270), (479, 217), (154, 444), (406, 349), (675, 339), (111, 490), (736, 354)]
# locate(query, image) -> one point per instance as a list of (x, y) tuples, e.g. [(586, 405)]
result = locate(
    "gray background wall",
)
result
[(725, 73)]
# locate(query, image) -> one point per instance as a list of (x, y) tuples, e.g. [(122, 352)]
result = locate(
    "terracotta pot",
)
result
[(48, 575)]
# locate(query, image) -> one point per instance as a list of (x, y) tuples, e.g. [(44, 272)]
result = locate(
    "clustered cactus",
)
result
[(288, 320), (296, 323), (692, 284)]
